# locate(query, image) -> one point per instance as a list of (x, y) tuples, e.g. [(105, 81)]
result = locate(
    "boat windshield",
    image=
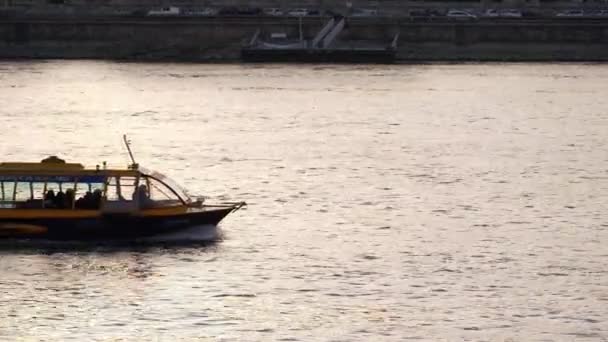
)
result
[(180, 191)]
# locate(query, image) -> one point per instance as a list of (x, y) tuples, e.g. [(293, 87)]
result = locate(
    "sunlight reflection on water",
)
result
[(435, 202)]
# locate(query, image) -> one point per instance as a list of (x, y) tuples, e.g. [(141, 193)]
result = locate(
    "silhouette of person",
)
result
[(60, 200)]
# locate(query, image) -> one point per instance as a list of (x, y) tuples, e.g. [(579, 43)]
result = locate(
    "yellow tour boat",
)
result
[(55, 200)]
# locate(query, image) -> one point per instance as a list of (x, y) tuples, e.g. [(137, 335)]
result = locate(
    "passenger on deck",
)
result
[(96, 199), (143, 197), (59, 200), (49, 199), (85, 202), (90, 200), (69, 199)]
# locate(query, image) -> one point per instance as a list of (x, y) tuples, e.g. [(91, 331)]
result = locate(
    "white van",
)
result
[(165, 11), (275, 12), (298, 12)]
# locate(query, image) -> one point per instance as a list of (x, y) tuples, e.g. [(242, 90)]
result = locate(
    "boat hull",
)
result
[(258, 55), (107, 227)]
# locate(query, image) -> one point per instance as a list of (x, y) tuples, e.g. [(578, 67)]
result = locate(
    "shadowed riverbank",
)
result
[(221, 38)]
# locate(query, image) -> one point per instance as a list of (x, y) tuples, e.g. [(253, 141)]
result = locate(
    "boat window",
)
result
[(29, 195), (128, 186), (153, 194), (160, 192), (38, 190), (121, 188), (83, 188), (112, 189), (22, 192), (181, 192), (54, 187), (88, 195), (8, 190), (6, 194), (58, 195), (38, 193)]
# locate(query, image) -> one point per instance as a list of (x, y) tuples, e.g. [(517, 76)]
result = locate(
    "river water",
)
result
[(386, 203)]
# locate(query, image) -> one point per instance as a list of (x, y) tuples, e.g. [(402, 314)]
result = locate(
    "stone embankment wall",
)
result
[(206, 39), (385, 7)]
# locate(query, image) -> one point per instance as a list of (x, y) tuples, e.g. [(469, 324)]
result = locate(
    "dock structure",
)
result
[(323, 32), (393, 8), (331, 35), (323, 47)]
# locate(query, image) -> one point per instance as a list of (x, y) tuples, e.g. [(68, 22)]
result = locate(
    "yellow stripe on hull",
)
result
[(79, 214), (17, 229), (166, 211), (47, 213)]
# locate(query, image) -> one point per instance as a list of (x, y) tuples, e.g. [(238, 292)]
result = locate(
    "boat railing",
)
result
[(234, 205), (119, 207), (22, 204), (8, 204)]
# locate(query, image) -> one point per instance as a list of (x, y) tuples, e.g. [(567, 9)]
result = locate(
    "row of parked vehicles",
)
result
[(232, 11), (581, 13), (364, 12), (505, 13)]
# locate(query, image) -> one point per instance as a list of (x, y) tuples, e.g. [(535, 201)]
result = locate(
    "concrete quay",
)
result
[(221, 38)]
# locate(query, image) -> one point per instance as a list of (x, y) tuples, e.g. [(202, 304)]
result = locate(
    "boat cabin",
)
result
[(54, 184)]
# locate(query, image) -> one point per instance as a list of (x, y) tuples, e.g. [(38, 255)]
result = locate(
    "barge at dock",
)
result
[(324, 47)]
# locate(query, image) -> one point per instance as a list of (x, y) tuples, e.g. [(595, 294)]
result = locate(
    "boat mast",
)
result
[(127, 144)]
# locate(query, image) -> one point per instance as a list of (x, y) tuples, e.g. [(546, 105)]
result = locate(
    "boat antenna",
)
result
[(127, 144)]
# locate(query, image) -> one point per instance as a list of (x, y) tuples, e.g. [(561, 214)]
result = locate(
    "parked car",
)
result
[(364, 12), (570, 13), (205, 12), (298, 12), (460, 14), (491, 13), (599, 13), (503, 13), (275, 12), (278, 36), (510, 13), (165, 11), (425, 14), (528, 13), (224, 11), (250, 11), (138, 13), (228, 11)]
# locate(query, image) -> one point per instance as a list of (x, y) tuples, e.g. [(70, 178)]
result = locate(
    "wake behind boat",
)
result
[(55, 200)]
